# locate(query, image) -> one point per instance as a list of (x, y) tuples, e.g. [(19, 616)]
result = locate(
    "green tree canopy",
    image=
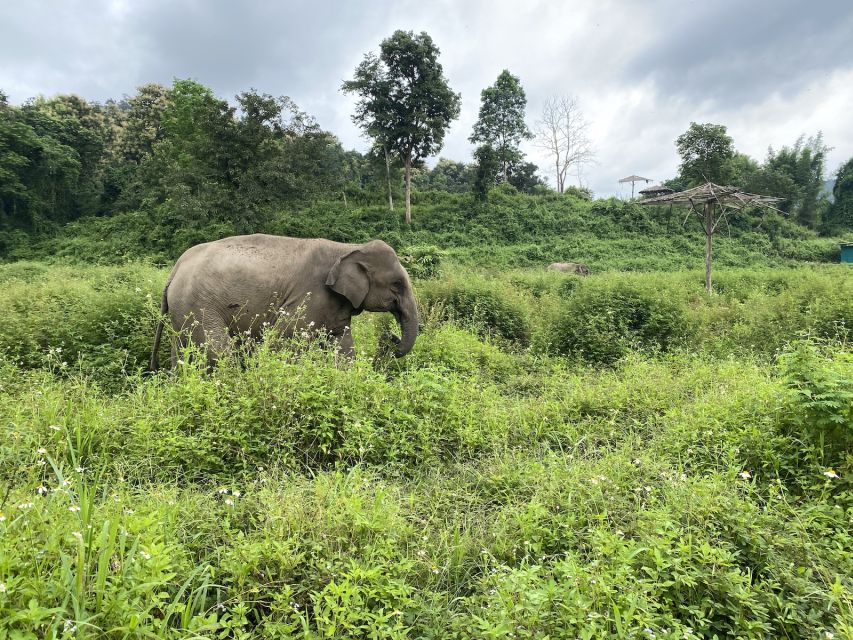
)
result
[(706, 152), (501, 121), (839, 217), (406, 103)]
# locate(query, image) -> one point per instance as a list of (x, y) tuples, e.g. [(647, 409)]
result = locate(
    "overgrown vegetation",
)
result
[(610, 456)]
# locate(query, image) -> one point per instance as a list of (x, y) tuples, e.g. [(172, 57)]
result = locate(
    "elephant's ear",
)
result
[(349, 278)]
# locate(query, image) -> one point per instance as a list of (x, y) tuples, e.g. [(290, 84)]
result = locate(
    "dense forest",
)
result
[(172, 166)]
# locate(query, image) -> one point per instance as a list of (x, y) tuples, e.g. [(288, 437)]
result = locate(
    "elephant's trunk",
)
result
[(407, 316)]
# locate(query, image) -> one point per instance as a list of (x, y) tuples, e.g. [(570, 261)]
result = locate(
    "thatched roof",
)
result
[(709, 192), (635, 179), (657, 190)]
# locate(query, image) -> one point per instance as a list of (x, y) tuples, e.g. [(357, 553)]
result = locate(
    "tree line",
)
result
[(190, 160)]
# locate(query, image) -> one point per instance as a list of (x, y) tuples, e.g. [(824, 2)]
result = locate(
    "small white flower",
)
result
[(79, 469), (69, 626), (41, 490), (77, 535), (229, 502), (55, 427), (829, 635), (25, 505), (236, 494), (222, 491), (2, 587), (41, 451), (2, 517), (830, 473), (74, 508), (647, 489), (138, 290), (41, 463), (145, 555), (746, 475)]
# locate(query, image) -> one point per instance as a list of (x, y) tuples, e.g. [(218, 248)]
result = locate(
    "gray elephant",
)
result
[(569, 267), (237, 286)]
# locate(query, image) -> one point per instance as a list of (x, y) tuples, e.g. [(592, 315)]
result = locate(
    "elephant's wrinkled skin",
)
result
[(239, 285), (569, 267)]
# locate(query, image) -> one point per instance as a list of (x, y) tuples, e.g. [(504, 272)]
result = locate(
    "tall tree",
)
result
[(405, 101), (839, 218), (501, 121), (797, 174), (706, 152), (562, 133)]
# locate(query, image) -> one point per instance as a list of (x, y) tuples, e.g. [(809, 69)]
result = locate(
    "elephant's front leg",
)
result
[(346, 346)]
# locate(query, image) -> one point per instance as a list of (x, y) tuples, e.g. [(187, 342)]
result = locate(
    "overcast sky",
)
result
[(769, 70)]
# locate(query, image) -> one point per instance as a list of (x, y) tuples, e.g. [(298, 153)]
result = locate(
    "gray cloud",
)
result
[(770, 70)]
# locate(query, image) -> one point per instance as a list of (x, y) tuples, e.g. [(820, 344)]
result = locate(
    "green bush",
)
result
[(818, 409), (603, 321), (422, 261), (486, 306)]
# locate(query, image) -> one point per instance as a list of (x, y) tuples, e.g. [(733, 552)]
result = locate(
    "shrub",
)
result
[(818, 408), (602, 322), (422, 261), (486, 306)]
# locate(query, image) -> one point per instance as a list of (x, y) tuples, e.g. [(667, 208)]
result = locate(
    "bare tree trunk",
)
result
[(408, 191), (346, 206), (709, 234), (388, 179)]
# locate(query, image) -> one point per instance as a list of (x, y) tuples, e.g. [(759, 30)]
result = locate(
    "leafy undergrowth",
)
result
[(484, 486)]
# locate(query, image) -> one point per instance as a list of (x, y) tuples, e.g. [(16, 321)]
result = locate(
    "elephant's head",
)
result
[(372, 279)]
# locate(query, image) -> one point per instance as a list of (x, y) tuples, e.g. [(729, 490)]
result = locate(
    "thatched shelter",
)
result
[(711, 203), (632, 179)]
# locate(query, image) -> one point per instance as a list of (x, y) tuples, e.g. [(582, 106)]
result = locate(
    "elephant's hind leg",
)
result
[(213, 336)]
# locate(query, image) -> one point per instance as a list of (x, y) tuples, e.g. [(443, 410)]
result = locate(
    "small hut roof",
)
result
[(657, 190), (710, 192), (635, 179)]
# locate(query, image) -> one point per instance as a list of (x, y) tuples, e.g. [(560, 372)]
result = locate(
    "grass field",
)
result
[(559, 457)]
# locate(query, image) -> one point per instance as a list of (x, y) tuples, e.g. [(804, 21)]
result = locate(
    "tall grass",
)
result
[(679, 468)]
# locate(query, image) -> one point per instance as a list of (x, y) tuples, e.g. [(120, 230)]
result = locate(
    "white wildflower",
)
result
[(77, 535), (25, 505), (830, 473), (229, 502), (746, 475), (74, 508), (2, 587), (236, 493), (145, 555), (55, 427), (41, 490), (41, 451)]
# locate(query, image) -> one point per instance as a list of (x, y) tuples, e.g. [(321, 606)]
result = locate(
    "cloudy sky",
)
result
[(769, 70)]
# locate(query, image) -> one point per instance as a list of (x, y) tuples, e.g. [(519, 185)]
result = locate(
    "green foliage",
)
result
[(840, 215), (422, 261), (819, 404), (706, 152), (405, 103), (488, 307), (603, 323), (500, 124)]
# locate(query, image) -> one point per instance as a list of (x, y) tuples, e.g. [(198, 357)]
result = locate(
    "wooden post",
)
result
[(709, 234), (388, 178), (408, 191)]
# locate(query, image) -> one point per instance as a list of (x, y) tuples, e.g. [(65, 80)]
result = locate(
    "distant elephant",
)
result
[(237, 286), (569, 267)]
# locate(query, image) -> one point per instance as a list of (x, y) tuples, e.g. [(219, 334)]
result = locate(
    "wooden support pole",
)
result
[(709, 234)]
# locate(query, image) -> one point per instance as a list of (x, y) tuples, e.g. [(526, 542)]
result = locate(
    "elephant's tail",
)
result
[(164, 309)]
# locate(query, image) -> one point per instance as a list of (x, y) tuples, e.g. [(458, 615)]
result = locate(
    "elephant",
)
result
[(238, 286), (569, 267)]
